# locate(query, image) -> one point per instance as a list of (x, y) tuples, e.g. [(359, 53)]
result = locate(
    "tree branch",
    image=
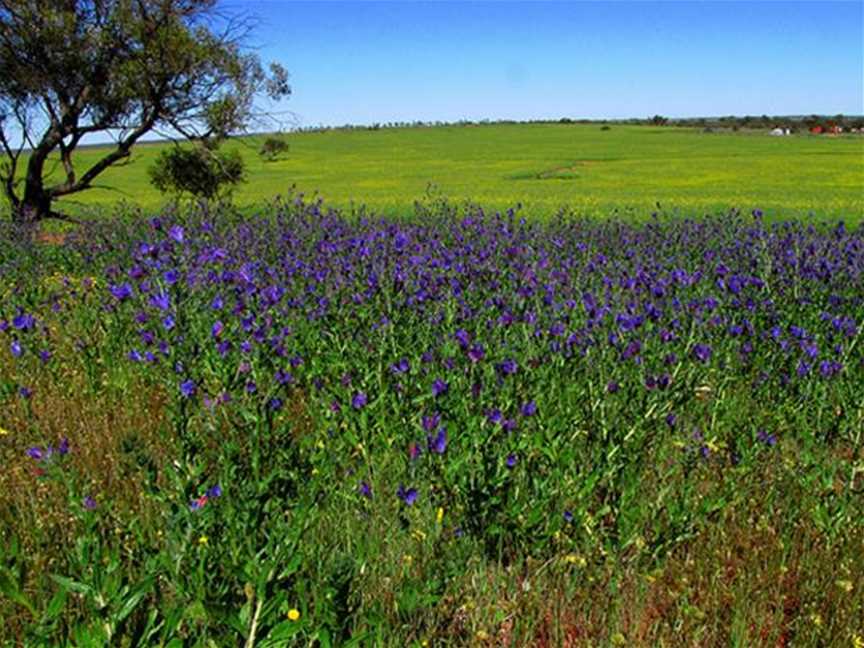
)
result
[(121, 152)]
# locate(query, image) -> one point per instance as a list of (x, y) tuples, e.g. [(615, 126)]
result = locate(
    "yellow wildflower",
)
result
[(293, 614), (3, 432), (203, 540), (482, 635), (439, 516), (575, 559), (845, 585)]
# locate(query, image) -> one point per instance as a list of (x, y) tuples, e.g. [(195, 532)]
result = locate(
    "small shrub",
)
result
[(202, 171), (272, 148)]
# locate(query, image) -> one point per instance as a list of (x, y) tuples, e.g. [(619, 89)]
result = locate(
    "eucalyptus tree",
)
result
[(123, 68)]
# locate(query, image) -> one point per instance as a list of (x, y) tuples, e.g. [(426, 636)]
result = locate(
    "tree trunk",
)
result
[(35, 205)]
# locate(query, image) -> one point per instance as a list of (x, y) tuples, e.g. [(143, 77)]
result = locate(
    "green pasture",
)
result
[(543, 166)]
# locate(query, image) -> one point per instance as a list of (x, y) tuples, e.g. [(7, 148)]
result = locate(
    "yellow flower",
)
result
[(482, 635), (4, 432), (575, 559), (203, 540), (293, 614), (439, 516), (857, 641), (845, 585)]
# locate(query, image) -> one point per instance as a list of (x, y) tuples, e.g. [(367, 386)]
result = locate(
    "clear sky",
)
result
[(365, 62)]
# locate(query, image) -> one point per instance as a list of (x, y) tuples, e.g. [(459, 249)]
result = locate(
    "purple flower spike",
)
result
[(365, 490), (23, 322), (438, 443), (568, 517), (63, 448), (121, 292), (439, 387), (16, 349), (431, 422), (409, 496), (89, 503), (508, 367), (529, 408), (400, 367), (214, 491), (35, 453), (702, 352), (511, 461), (188, 388), (177, 234), (768, 439), (162, 301), (359, 400)]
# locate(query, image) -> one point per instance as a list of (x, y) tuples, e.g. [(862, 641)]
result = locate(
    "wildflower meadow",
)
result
[(461, 427)]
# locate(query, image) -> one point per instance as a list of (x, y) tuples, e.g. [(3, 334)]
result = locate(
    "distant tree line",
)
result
[(731, 122)]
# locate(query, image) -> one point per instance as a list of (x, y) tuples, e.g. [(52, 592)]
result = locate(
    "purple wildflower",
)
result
[(529, 408), (438, 443), (359, 400), (400, 367), (431, 422), (188, 388), (409, 496), (177, 234), (161, 300), (702, 352), (439, 387), (121, 292), (508, 367)]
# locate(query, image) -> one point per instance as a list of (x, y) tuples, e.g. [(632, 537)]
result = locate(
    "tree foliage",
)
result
[(126, 68), (272, 148), (199, 171)]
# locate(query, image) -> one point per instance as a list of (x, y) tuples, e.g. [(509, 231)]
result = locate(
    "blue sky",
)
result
[(364, 62)]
